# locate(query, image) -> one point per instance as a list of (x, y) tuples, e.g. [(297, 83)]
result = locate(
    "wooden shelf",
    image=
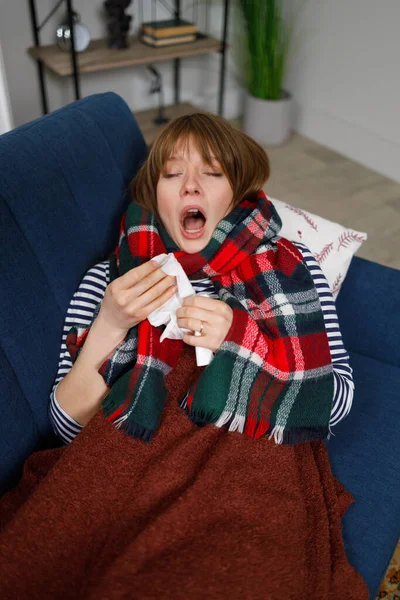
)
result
[(98, 57)]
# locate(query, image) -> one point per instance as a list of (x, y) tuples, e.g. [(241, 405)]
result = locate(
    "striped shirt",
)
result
[(92, 289)]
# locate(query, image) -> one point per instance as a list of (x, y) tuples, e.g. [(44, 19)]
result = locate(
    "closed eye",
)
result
[(170, 175)]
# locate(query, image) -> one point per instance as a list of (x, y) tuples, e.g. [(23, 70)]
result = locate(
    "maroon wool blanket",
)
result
[(197, 513)]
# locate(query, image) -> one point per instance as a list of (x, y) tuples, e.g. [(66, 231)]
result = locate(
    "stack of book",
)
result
[(165, 33)]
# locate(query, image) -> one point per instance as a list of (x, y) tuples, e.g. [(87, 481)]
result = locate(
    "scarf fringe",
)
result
[(129, 427), (297, 435), (277, 433), (224, 419), (110, 404), (183, 403), (133, 429), (199, 418), (237, 421), (280, 435)]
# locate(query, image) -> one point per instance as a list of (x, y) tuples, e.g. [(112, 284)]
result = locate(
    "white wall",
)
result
[(345, 76), (199, 75), (343, 72), (5, 113)]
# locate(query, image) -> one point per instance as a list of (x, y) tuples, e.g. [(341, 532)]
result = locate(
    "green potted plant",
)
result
[(266, 41)]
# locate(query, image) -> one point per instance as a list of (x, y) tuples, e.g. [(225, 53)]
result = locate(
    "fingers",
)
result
[(193, 325), (198, 340), (138, 282), (160, 288), (141, 278), (190, 315), (196, 314), (157, 281), (210, 305), (160, 300), (134, 276), (216, 322), (202, 302)]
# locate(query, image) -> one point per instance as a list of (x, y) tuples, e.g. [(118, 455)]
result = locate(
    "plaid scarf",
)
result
[(272, 374)]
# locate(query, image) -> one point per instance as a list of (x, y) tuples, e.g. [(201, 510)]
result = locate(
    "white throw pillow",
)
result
[(332, 244)]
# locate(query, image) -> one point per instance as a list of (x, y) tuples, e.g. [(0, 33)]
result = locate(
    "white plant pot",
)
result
[(269, 122)]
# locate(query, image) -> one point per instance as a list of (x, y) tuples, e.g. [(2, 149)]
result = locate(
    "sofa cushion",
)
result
[(364, 456), (364, 452), (63, 186)]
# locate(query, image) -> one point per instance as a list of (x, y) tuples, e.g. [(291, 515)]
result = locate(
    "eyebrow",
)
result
[(174, 157)]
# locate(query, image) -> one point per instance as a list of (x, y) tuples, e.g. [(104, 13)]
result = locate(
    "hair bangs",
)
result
[(181, 135), (244, 162)]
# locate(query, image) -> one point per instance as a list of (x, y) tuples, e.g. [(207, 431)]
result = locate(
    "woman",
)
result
[(187, 481), (190, 180)]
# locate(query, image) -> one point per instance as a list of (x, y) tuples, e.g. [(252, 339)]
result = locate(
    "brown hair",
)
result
[(244, 162)]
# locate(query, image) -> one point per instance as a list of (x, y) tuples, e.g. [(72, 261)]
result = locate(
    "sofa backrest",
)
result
[(63, 182), (369, 312)]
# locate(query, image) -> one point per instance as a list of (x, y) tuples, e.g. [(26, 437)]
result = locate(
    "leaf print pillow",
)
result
[(332, 244)]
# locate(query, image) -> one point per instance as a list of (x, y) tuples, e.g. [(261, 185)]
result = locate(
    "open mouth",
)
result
[(193, 221)]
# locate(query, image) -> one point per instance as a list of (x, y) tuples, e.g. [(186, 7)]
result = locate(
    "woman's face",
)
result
[(192, 198)]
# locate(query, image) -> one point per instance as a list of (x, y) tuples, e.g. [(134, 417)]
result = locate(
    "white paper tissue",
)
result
[(166, 314)]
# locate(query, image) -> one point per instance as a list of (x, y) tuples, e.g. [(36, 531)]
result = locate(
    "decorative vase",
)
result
[(269, 122), (118, 23)]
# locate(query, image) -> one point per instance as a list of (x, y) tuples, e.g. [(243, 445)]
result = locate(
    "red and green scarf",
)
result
[(272, 374)]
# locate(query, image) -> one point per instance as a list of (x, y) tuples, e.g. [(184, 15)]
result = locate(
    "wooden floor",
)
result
[(317, 179), (328, 184), (145, 119)]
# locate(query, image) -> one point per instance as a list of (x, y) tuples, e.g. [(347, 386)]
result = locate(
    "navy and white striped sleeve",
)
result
[(90, 292), (342, 372)]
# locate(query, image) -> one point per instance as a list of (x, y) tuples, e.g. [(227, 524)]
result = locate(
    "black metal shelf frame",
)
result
[(175, 10)]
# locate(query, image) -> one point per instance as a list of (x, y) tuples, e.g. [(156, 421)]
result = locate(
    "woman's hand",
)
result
[(215, 315), (130, 298)]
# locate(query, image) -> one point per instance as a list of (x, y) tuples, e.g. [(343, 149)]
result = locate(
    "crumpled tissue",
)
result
[(166, 314)]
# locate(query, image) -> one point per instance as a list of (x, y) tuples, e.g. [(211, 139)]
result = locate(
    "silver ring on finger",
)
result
[(201, 327)]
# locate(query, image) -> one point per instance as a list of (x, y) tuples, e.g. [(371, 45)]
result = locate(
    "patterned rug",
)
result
[(390, 587)]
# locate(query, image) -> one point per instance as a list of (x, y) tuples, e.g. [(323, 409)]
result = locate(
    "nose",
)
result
[(190, 186)]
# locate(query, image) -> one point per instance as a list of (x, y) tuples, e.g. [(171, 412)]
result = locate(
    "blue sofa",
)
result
[(63, 181)]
